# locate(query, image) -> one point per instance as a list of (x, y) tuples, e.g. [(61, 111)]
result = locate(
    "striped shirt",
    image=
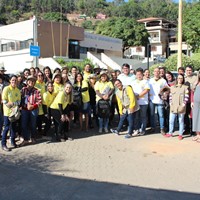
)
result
[(32, 96)]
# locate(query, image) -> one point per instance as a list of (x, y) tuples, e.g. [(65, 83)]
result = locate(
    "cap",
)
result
[(56, 74), (2, 68), (31, 78)]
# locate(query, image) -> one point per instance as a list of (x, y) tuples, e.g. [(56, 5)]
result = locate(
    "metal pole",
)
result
[(35, 40), (148, 56), (179, 61)]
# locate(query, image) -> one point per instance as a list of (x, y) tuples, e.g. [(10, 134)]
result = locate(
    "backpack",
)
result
[(103, 108), (77, 99)]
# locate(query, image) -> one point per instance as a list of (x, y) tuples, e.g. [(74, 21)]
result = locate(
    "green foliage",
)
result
[(171, 62), (129, 30), (87, 25), (70, 64), (191, 26), (55, 17)]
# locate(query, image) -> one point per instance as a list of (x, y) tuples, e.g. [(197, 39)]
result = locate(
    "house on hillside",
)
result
[(162, 38)]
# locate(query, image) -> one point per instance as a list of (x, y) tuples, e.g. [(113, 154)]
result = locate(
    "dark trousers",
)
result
[(42, 119), (61, 128), (8, 126), (28, 123), (187, 119)]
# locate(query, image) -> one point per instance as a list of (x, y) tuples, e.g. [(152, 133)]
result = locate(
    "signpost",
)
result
[(34, 50)]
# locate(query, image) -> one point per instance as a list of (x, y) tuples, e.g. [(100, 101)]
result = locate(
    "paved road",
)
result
[(105, 166)]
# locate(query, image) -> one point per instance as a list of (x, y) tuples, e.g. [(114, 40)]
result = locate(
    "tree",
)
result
[(87, 25), (129, 30), (55, 16), (191, 26)]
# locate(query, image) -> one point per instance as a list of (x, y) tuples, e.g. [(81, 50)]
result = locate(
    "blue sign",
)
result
[(34, 50)]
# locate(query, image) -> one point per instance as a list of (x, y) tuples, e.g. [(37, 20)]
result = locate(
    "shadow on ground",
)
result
[(31, 180)]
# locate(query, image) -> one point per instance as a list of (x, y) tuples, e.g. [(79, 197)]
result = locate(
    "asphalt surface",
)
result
[(102, 166)]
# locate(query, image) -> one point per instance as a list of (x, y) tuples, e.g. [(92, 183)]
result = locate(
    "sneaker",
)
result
[(180, 137), (5, 148), (114, 131), (142, 133), (24, 143), (106, 130), (127, 136), (135, 133), (162, 131), (100, 130), (168, 135)]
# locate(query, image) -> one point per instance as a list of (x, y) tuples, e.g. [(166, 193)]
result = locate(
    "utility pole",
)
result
[(35, 40), (179, 62)]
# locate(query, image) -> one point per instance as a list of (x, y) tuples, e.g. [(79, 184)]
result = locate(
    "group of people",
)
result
[(64, 97)]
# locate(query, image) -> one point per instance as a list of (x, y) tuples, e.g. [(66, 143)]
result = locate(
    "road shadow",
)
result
[(31, 179)]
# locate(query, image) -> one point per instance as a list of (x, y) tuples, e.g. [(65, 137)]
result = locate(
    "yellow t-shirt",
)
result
[(103, 88), (85, 95), (61, 98), (48, 98), (10, 94), (86, 76), (58, 87)]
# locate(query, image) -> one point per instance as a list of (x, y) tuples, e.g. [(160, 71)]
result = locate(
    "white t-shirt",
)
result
[(155, 87), (126, 80), (138, 87)]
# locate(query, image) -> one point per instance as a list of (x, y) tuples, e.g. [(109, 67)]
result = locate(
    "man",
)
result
[(4, 76), (73, 74), (126, 103), (31, 100), (156, 84), (125, 77), (141, 88), (87, 72), (191, 81)]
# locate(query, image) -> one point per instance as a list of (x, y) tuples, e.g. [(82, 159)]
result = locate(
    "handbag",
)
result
[(15, 114)]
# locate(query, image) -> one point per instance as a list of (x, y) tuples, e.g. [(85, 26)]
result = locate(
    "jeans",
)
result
[(129, 117), (8, 126), (28, 122), (1, 120), (103, 122), (172, 117), (160, 109), (141, 118)]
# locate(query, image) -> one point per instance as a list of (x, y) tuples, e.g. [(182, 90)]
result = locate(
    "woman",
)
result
[(170, 78), (104, 89), (195, 104), (82, 86), (64, 74), (40, 85), (57, 82), (179, 95), (60, 110), (11, 98), (48, 98), (146, 74), (31, 100), (47, 74)]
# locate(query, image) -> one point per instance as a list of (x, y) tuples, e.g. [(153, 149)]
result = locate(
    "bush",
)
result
[(171, 62), (70, 64), (87, 25)]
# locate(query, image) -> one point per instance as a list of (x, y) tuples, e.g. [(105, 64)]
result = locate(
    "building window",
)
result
[(74, 49)]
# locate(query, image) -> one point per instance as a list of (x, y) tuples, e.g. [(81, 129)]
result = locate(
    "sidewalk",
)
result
[(105, 166)]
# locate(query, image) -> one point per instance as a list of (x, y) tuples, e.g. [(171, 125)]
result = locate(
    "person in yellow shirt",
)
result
[(87, 72), (48, 98), (11, 98), (60, 110), (126, 102), (82, 86), (104, 89), (57, 82), (40, 85)]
